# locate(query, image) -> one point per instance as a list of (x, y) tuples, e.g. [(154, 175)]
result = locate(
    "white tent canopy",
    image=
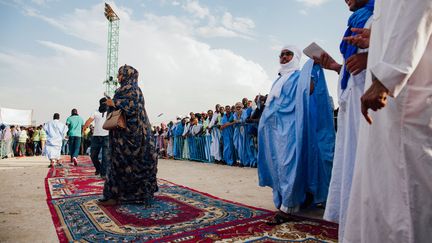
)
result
[(11, 116)]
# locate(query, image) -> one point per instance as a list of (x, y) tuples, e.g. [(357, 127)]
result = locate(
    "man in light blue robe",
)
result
[(314, 107), (249, 151), (291, 140), (208, 136), (238, 137), (227, 131), (55, 131), (178, 140)]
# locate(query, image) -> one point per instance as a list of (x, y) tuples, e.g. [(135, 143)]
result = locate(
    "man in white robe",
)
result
[(215, 135), (207, 135), (55, 131), (186, 133), (391, 195), (348, 120)]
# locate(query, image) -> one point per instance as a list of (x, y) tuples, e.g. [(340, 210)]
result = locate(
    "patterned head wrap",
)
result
[(129, 75)]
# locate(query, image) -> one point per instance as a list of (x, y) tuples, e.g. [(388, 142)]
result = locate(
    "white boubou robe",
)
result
[(55, 131), (215, 137), (391, 194), (346, 145)]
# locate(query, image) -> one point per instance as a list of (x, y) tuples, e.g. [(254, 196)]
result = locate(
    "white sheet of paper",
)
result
[(313, 50)]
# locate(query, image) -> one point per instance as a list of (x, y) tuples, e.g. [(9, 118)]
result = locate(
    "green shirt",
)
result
[(42, 134), (36, 136), (74, 124), (23, 136)]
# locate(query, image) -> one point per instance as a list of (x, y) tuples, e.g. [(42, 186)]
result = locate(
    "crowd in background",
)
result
[(225, 135), (20, 141), (373, 176)]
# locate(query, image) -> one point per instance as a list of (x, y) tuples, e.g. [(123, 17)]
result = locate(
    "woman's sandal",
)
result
[(279, 219), (107, 202)]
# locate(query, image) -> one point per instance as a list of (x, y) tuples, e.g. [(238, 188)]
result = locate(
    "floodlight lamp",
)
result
[(110, 14)]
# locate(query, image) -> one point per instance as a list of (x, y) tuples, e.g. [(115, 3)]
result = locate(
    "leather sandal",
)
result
[(107, 201), (279, 219)]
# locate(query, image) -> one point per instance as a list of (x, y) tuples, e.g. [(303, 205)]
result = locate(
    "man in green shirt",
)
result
[(36, 142), (43, 138), (74, 123)]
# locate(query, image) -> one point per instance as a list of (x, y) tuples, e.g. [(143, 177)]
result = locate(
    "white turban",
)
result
[(285, 72), (294, 64)]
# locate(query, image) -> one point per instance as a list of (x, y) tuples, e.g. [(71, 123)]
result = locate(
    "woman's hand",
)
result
[(109, 102)]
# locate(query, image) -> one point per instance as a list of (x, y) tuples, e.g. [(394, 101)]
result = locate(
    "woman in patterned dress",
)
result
[(131, 177)]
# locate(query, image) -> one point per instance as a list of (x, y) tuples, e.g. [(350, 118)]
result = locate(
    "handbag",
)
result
[(115, 120)]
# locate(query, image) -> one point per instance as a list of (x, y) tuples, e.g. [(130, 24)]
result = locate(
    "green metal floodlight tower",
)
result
[(111, 82)]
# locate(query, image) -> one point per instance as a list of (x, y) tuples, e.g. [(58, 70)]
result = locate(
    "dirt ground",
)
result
[(25, 217)]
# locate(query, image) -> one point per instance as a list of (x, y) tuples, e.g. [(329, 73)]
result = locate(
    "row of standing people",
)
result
[(226, 136), (21, 141)]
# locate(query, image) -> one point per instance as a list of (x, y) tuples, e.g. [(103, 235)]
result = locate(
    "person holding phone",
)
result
[(131, 176), (100, 138)]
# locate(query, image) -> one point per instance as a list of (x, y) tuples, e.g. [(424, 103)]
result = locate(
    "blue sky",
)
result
[(191, 54)]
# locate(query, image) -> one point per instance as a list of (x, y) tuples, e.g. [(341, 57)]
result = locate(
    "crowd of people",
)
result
[(19, 141), (373, 176), (227, 135)]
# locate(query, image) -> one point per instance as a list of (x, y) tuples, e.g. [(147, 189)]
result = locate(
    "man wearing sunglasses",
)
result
[(287, 121)]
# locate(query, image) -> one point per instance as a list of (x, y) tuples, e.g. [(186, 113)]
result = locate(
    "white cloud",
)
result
[(313, 3), (173, 24), (193, 6), (49, 84), (178, 73), (34, 13), (219, 31), (242, 25), (39, 2), (310, 4), (69, 51), (211, 25)]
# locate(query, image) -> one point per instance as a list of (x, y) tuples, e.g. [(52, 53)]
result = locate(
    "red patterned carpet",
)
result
[(178, 214)]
